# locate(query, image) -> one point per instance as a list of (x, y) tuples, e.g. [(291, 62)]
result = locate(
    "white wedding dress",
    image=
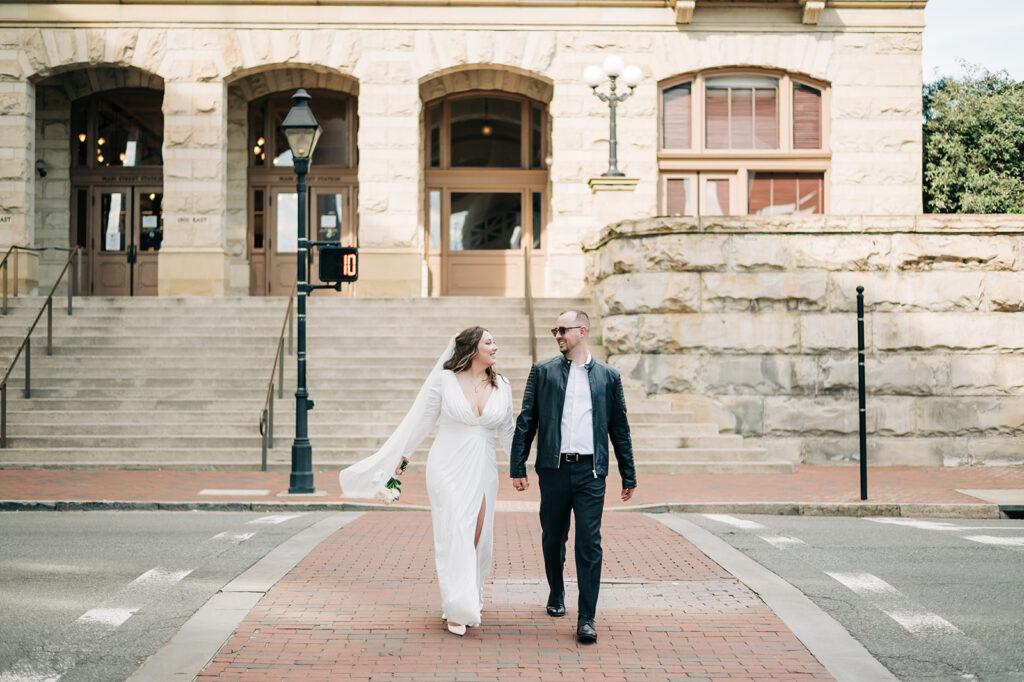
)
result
[(462, 474)]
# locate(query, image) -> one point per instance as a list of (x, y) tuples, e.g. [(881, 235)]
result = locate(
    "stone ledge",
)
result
[(816, 224), (612, 184)]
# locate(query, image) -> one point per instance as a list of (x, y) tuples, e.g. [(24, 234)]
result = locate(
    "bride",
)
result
[(474, 402)]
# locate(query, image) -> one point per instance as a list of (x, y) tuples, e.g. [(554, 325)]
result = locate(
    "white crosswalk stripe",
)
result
[(1016, 541), (734, 521), (894, 603), (111, 618), (779, 541), (233, 537), (275, 518), (158, 575)]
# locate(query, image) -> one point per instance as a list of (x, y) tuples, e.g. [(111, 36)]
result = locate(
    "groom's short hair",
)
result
[(582, 319)]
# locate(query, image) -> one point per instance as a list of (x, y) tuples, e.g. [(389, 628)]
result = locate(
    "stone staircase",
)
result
[(179, 383)]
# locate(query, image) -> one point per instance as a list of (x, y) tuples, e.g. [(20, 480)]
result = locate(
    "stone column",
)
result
[(17, 172), (390, 167), (53, 203), (193, 261)]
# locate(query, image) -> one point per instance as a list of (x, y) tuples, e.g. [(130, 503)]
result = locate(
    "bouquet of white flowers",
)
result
[(393, 488)]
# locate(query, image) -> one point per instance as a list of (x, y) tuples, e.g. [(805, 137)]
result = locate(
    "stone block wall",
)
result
[(869, 56), (752, 323)]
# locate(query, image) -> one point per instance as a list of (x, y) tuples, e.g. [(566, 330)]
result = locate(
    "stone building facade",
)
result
[(818, 98), (752, 324)]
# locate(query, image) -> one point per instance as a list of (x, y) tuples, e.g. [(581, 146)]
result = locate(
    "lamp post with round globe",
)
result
[(302, 132), (613, 70)]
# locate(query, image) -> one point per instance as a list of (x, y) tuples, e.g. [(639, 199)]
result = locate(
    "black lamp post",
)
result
[(303, 132), (612, 70)]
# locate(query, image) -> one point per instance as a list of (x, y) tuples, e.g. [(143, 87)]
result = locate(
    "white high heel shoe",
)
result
[(459, 630)]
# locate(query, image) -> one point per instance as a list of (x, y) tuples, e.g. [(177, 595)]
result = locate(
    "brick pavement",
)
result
[(808, 484), (364, 605)]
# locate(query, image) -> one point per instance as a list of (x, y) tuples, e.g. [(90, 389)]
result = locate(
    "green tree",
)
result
[(974, 143)]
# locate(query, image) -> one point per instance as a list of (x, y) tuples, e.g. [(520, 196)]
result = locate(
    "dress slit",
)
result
[(481, 518)]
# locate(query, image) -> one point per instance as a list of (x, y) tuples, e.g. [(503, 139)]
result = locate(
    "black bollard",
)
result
[(861, 396)]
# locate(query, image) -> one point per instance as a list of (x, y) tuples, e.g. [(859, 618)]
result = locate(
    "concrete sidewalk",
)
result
[(976, 492)]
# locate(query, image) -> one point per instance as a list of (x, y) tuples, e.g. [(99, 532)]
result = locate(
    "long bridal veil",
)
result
[(368, 476)]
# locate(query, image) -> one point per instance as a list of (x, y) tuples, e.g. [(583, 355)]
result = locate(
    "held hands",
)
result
[(521, 484), (400, 469)]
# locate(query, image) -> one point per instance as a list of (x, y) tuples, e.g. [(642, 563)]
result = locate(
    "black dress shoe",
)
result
[(556, 606), (585, 632)]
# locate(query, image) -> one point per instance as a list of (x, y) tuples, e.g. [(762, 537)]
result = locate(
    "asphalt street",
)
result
[(932, 600), (90, 596)]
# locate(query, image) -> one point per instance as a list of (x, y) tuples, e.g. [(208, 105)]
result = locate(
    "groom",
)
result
[(575, 403)]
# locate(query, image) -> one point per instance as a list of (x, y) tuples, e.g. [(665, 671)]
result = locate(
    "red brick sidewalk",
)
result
[(809, 484), (364, 605)]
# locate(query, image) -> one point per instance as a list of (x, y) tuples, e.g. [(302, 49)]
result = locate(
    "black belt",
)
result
[(574, 457)]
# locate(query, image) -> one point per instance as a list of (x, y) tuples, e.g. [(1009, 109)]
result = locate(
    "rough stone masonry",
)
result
[(751, 322)]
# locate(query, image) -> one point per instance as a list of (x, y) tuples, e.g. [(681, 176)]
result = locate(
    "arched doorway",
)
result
[(486, 191), (271, 197), (117, 189)]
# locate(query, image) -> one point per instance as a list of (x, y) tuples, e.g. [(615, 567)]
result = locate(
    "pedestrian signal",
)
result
[(339, 263)]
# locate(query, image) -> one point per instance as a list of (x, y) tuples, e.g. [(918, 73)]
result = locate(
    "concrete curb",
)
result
[(855, 509), (979, 510)]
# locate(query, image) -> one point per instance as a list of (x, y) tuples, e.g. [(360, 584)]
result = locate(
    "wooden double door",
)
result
[(477, 236), (120, 228), (273, 231)]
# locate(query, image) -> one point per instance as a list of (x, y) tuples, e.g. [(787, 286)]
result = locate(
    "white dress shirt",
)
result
[(577, 413)]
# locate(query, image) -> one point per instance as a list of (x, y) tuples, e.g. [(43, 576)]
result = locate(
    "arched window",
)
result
[(486, 184), (334, 111), (118, 128), (743, 142)]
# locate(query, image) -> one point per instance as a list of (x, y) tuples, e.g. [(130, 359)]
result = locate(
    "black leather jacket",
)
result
[(541, 414)]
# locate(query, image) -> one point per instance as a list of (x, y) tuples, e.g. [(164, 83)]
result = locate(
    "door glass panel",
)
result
[(257, 219), (330, 209), (485, 221), (113, 218), (151, 230), (486, 132), (536, 220), (81, 217), (435, 220), (435, 136), (536, 116), (287, 222)]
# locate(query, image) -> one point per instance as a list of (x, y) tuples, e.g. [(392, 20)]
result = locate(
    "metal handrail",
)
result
[(267, 413), (3, 264), (26, 343), (34, 250), (528, 295)]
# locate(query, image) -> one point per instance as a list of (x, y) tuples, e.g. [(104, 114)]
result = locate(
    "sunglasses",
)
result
[(562, 330)]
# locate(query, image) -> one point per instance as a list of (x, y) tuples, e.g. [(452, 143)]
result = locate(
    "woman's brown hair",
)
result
[(465, 350)]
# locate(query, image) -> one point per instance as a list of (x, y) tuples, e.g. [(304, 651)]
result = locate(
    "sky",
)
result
[(984, 32)]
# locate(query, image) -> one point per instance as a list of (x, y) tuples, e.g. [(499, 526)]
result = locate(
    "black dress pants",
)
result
[(572, 488)]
